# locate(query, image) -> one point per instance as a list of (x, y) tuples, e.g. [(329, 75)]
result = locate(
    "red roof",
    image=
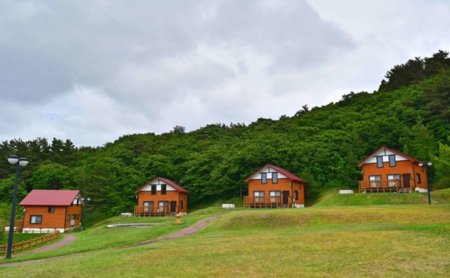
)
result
[(166, 181), (285, 172), (391, 150), (50, 198)]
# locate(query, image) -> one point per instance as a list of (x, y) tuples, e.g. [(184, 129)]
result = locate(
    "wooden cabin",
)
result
[(47, 211), (161, 197), (388, 170), (274, 187)]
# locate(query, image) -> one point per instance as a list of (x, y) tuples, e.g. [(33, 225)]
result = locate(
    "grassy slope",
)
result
[(344, 241), (332, 198)]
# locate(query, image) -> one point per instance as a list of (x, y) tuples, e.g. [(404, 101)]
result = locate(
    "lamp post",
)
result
[(429, 164), (85, 202), (19, 162)]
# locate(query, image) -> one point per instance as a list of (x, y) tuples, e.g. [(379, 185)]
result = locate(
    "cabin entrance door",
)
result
[(173, 206), (285, 197), (406, 181)]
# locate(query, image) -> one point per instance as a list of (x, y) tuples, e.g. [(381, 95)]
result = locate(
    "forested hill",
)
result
[(410, 112)]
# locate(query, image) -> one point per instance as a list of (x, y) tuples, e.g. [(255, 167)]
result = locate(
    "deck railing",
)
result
[(380, 186), (152, 211), (262, 201), (27, 244)]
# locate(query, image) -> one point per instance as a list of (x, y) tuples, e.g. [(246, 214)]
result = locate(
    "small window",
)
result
[(259, 196), (181, 204), (418, 178), (153, 189), (393, 180), (392, 162), (274, 177), (296, 195), (51, 210), (36, 219), (263, 178), (275, 196), (375, 181), (379, 161), (163, 206), (68, 217), (148, 204), (163, 189)]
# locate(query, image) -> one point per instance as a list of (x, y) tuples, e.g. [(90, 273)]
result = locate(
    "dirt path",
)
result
[(68, 238), (178, 234)]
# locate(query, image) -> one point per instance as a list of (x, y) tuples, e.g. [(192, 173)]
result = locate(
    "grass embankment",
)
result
[(402, 241), (332, 198)]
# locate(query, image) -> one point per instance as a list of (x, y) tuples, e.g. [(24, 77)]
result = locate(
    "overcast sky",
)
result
[(92, 71)]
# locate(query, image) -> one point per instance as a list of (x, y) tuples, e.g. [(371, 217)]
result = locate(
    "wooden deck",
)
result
[(152, 211), (382, 186), (263, 202)]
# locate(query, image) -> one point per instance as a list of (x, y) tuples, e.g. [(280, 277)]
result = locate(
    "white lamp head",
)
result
[(23, 161), (13, 159), (429, 163), (420, 163)]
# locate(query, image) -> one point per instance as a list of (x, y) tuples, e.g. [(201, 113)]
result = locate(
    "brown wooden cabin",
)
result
[(47, 211), (161, 197), (274, 187), (388, 170)]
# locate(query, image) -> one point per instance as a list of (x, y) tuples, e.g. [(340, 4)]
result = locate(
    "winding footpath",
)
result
[(71, 237)]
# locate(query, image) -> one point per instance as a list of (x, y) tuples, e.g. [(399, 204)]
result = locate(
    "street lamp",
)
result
[(85, 202), (429, 164), (19, 162)]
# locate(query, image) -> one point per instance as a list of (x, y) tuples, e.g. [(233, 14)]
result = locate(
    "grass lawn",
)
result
[(347, 241), (332, 198)]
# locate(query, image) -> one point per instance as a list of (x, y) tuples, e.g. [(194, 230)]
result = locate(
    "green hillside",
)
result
[(323, 145), (375, 241)]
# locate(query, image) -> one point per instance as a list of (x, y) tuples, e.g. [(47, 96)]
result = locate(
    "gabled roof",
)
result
[(285, 172), (166, 181), (389, 149), (50, 198)]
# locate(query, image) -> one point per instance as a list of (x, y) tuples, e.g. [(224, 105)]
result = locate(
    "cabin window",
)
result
[(274, 177), (263, 178), (375, 181), (379, 161), (163, 206), (153, 189), (393, 180), (392, 162), (259, 196), (68, 217), (296, 195), (51, 209), (163, 189), (181, 204), (148, 206), (36, 219), (275, 196), (418, 178)]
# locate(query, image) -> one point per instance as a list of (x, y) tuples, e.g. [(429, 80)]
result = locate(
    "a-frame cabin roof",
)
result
[(384, 148), (165, 181), (280, 170)]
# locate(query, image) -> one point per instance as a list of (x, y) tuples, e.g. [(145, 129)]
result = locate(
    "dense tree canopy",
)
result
[(323, 145)]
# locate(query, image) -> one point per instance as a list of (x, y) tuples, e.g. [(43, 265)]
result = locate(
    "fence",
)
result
[(26, 244)]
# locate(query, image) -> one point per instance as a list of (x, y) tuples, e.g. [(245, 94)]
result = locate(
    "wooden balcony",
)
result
[(152, 211), (381, 186), (262, 202)]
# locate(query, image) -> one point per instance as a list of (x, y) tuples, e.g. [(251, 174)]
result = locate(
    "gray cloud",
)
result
[(94, 70)]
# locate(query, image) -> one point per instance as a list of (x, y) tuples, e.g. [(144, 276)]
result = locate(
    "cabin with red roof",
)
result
[(161, 197), (47, 211), (389, 170), (274, 187)]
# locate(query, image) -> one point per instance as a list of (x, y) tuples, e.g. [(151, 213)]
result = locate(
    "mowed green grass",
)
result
[(381, 241), (332, 198)]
